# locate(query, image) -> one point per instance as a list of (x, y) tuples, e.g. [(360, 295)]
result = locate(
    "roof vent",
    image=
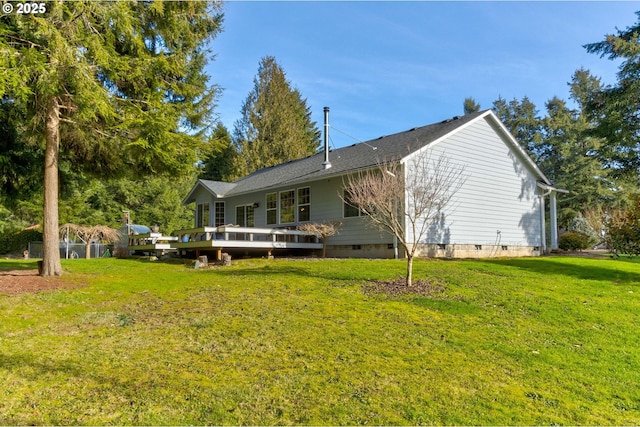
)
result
[(326, 164)]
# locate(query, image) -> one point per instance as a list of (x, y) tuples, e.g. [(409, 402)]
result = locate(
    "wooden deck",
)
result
[(151, 242), (225, 237)]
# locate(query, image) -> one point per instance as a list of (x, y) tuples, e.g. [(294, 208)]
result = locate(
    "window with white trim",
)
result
[(218, 215), (272, 208), (245, 216), (304, 204), (349, 209), (287, 206), (202, 215)]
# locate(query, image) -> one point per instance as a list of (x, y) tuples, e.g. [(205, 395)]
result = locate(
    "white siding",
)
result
[(498, 203), (326, 205), (201, 195)]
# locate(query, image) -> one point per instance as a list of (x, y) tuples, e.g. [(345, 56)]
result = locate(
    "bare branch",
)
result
[(88, 234), (322, 230), (405, 199)]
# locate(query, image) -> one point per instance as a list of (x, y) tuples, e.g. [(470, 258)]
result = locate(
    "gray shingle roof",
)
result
[(357, 156), (343, 160)]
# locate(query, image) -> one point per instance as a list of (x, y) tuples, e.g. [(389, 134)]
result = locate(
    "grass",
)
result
[(510, 341)]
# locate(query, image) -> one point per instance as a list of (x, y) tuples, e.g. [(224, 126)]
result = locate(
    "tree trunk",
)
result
[(409, 269), (87, 250), (50, 240)]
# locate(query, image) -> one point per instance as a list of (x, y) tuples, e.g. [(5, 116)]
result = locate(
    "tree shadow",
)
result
[(602, 270), (37, 369), (8, 265), (530, 224), (440, 235)]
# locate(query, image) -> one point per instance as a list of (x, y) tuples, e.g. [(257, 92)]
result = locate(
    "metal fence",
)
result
[(73, 250)]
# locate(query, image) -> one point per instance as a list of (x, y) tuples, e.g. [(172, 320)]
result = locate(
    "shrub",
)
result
[(581, 226), (572, 241), (623, 230), (17, 241)]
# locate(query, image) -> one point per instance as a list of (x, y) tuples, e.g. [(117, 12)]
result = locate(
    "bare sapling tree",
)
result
[(407, 198), (322, 230), (88, 234)]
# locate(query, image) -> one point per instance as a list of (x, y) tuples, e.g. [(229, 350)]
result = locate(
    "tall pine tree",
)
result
[(219, 164), (521, 118), (276, 122), (117, 83), (616, 108)]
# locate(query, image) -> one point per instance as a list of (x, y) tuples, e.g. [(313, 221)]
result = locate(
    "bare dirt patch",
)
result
[(14, 282), (598, 254), (398, 287)]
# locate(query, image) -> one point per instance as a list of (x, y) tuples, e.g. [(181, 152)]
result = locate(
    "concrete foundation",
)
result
[(434, 251)]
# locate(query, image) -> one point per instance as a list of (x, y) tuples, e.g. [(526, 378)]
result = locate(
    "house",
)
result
[(498, 211)]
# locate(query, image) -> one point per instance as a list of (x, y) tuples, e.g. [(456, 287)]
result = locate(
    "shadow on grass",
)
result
[(26, 366), (603, 270), (15, 264), (264, 271), (454, 307), (330, 272)]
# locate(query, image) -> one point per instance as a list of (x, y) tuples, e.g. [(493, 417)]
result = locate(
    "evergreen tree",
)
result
[(616, 108), (20, 163), (470, 106), (149, 200), (117, 82), (219, 163), (521, 118), (276, 123), (570, 160)]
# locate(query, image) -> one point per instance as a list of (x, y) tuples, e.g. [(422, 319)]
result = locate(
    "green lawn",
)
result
[(532, 341)]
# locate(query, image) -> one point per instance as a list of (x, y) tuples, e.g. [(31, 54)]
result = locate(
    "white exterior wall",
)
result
[(326, 205), (498, 203), (201, 195)]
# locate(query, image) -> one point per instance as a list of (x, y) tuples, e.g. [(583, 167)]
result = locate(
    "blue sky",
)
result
[(384, 67)]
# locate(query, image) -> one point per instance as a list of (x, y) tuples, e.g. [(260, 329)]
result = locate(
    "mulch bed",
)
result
[(16, 282), (398, 287)]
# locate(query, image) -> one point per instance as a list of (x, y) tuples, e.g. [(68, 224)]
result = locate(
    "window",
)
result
[(202, 215), (349, 209), (218, 214), (272, 208), (287, 207), (245, 216), (250, 216), (206, 218), (304, 204), (240, 216)]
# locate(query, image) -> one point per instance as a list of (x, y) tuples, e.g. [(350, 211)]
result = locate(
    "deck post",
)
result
[(219, 254)]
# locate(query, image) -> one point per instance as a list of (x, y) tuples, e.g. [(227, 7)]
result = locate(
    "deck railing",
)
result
[(226, 236), (248, 234)]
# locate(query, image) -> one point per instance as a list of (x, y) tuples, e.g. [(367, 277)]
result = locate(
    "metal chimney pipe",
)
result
[(326, 164)]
